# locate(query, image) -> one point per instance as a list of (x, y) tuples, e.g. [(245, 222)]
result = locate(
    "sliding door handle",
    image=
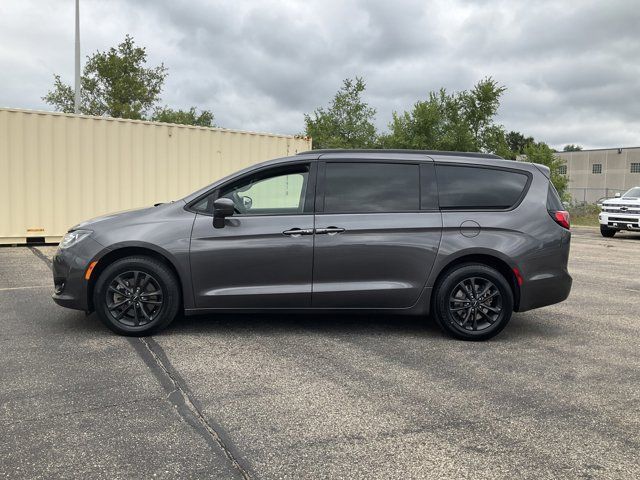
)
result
[(329, 230), (296, 232)]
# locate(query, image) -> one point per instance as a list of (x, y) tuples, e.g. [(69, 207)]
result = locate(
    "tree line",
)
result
[(460, 121), (118, 83)]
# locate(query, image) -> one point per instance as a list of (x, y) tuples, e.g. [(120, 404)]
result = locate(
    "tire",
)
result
[(606, 231), (142, 312), (455, 311)]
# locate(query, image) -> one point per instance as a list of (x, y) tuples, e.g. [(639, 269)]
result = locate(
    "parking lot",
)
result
[(557, 394)]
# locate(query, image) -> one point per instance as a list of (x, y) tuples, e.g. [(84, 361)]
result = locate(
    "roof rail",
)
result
[(400, 150)]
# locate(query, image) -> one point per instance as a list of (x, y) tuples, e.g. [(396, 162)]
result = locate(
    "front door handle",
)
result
[(296, 232), (329, 230)]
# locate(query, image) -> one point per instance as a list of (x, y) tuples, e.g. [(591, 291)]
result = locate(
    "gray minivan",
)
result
[(468, 238)]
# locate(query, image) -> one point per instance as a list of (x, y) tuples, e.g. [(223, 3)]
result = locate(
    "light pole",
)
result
[(76, 108)]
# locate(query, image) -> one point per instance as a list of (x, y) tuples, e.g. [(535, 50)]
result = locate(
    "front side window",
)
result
[(465, 187), (281, 193), (361, 187)]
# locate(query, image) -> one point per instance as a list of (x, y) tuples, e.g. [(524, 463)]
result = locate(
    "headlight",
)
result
[(71, 238)]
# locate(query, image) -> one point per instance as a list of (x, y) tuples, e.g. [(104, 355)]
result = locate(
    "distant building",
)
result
[(596, 174)]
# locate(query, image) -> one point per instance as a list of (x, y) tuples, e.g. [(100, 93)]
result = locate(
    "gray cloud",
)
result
[(572, 68)]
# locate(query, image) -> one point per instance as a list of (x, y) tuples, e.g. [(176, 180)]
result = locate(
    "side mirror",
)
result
[(222, 208), (617, 195)]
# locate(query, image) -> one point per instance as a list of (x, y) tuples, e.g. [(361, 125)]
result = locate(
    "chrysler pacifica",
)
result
[(465, 238)]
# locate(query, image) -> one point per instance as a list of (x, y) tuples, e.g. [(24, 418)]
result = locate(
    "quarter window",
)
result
[(554, 204), (463, 187), (361, 187), (596, 168)]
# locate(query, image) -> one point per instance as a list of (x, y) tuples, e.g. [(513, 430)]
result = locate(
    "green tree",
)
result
[(114, 83), (479, 107), (572, 148), (462, 121), (185, 117), (517, 142), (495, 141), (436, 123), (543, 154), (346, 123)]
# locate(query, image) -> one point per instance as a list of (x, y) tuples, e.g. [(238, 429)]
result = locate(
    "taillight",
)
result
[(561, 217)]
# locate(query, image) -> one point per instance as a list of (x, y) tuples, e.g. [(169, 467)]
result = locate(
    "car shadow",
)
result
[(521, 325), (628, 236), (312, 322)]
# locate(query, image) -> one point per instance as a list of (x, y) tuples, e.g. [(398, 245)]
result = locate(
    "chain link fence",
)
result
[(584, 196)]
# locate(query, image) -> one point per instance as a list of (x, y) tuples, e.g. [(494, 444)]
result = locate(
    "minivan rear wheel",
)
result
[(473, 302), (137, 296)]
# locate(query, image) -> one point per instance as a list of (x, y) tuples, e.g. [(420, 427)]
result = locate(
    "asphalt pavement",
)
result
[(556, 395)]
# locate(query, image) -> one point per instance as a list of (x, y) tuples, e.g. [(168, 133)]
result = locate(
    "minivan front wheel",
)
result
[(473, 302), (136, 296)]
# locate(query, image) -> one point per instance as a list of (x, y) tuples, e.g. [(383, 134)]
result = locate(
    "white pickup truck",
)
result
[(620, 213)]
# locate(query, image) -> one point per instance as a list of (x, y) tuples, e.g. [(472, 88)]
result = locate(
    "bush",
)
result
[(586, 214)]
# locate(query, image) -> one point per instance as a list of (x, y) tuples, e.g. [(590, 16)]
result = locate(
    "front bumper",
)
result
[(620, 221), (69, 268)]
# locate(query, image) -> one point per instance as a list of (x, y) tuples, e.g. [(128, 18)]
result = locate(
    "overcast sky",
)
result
[(572, 68)]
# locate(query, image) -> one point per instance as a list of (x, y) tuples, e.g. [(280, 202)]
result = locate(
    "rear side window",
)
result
[(478, 188), (361, 187)]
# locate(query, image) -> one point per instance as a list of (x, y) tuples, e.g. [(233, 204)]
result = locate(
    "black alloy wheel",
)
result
[(475, 304), (134, 298), (472, 301), (137, 296)]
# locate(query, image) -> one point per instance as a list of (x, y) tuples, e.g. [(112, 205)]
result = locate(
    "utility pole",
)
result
[(77, 96)]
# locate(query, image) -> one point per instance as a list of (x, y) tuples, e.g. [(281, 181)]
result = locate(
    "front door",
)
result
[(377, 233), (263, 256)]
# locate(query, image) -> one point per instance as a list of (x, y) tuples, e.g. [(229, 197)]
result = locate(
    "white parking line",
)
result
[(617, 288), (24, 288)]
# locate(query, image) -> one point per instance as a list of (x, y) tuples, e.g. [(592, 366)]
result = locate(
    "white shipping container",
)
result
[(59, 169)]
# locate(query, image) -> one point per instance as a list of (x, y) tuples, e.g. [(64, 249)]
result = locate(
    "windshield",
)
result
[(633, 193)]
